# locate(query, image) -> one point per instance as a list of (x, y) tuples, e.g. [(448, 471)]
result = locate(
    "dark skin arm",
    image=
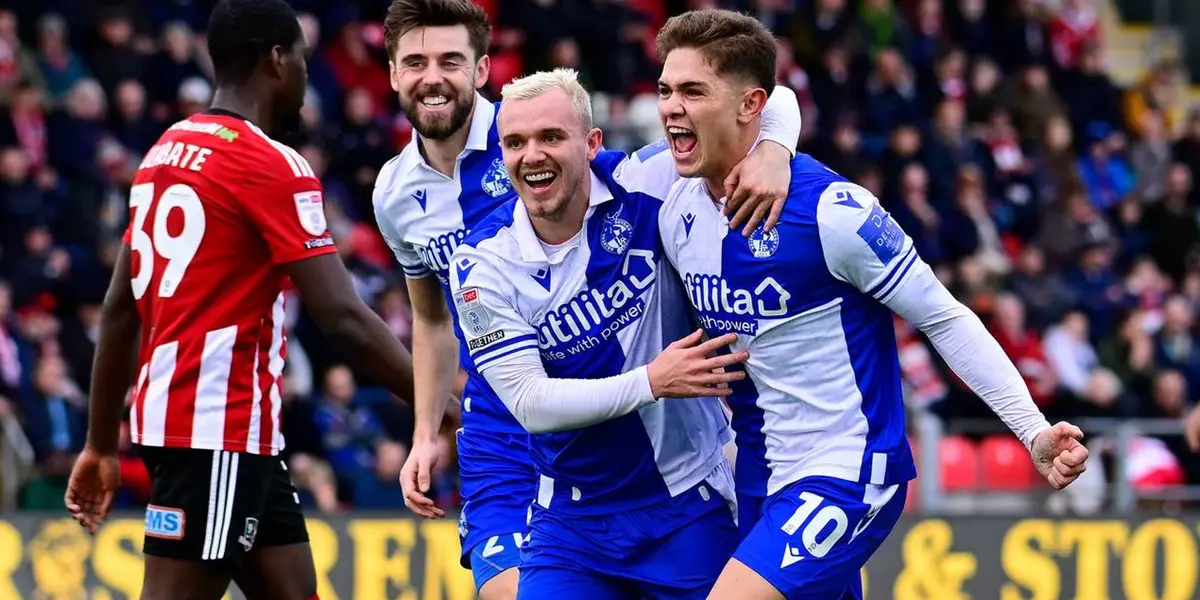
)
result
[(329, 297), (115, 361)]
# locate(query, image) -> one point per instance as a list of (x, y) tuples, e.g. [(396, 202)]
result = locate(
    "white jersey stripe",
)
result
[(275, 369), (210, 524), (212, 387), (297, 170), (305, 168), (135, 430), (231, 483), (255, 432), (154, 405)]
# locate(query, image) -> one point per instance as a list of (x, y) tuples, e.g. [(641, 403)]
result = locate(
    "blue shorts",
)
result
[(674, 550), (749, 510), (498, 487), (816, 534)]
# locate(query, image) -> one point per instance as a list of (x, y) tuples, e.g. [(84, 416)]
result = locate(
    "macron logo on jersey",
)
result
[(595, 315), (732, 309), (464, 270), (542, 276), (420, 196)]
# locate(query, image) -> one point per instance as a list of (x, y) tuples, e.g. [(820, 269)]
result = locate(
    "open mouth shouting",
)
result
[(683, 141)]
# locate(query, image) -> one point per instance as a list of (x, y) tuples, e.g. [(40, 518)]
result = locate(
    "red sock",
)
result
[(314, 597)]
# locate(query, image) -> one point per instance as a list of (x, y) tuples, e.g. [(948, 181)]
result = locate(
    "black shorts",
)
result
[(215, 505)]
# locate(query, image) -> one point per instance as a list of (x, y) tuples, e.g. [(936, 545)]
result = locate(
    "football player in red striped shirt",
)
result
[(220, 216)]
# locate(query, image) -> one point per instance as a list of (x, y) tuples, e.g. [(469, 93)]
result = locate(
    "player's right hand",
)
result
[(92, 486), (1059, 454), (685, 369), (415, 477)]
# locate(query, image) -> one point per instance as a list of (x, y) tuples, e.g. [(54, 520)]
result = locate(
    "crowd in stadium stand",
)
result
[(1060, 206)]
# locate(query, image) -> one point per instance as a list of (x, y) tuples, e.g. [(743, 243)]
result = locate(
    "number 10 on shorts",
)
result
[(821, 526)]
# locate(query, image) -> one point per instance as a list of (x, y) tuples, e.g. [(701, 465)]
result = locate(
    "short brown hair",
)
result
[(733, 43), (405, 15)]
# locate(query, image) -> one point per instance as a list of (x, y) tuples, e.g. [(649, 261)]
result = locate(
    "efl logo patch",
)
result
[(310, 208), (166, 523)]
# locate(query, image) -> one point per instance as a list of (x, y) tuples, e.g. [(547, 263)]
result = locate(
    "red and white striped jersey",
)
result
[(217, 209)]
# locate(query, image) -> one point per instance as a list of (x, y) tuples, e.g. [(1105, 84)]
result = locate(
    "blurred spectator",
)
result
[(1172, 225), (1023, 38), (891, 99), (1033, 103), (17, 63), (819, 27), (1105, 174), (131, 122), (1150, 158), (1076, 27), (60, 64), (971, 28), (349, 430), (361, 148), (1157, 92), (1176, 346), (1130, 354), (1093, 390), (113, 56), (883, 27), (356, 66), (56, 424), (1091, 93), (1042, 290), (167, 69), (1024, 346)]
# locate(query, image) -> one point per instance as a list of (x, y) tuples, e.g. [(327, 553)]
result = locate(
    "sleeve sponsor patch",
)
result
[(882, 234), (472, 315), (487, 340), (310, 209)]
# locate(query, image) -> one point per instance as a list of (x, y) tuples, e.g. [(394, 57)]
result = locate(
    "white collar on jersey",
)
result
[(477, 137), (527, 239)]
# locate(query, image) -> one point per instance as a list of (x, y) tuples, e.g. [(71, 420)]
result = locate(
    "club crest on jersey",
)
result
[(763, 244), (310, 208), (249, 533), (615, 235), (495, 181)]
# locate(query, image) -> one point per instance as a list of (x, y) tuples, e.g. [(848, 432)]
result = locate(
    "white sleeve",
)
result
[(781, 119), (406, 254), (864, 247), (503, 347), (651, 170)]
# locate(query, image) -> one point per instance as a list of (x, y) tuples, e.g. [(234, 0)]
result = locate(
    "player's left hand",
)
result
[(1058, 454), (757, 185), (415, 479), (92, 486)]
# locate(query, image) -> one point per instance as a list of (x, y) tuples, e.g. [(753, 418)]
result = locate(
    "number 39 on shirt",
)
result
[(175, 245)]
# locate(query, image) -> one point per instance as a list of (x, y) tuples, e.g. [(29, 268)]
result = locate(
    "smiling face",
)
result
[(547, 146), (436, 73)]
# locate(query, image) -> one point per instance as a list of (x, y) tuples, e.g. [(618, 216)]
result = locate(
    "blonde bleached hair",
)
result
[(535, 84)]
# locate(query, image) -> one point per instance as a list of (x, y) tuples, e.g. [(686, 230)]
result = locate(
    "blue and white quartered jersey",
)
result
[(424, 215), (810, 301), (600, 308)]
